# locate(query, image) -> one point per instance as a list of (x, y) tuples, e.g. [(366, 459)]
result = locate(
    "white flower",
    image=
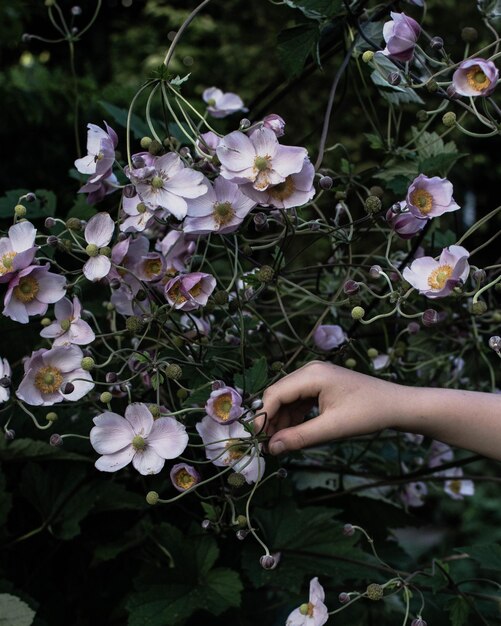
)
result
[(312, 613), (98, 234)]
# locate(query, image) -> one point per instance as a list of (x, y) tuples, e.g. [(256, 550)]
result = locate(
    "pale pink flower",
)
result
[(436, 279), (17, 250), (5, 371), (98, 234), (475, 77), (430, 197), (439, 454), (222, 209), (189, 291), (101, 153), (139, 215), (150, 267), (275, 123), (329, 336), (31, 291), (225, 446), (207, 143), (404, 223), (400, 34), (137, 437), (68, 326), (456, 487), (258, 159), (177, 248), (47, 372), (222, 104), (413, 494), (195, 326), (99, 189), (380, 362), (184, 476), (312, 613), (295, 190), (224, 405)]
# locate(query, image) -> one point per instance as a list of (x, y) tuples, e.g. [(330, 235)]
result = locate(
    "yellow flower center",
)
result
[(184, 480), (138, 443), (222, 406), (283, 190), (477, 79), (174, 294), (423, 200), (439, 277), (223, 213), (152, 267), (455, 486), (48, 379), (196, 290), (27, 289), (98, 157), (6, 262), (235, 450)]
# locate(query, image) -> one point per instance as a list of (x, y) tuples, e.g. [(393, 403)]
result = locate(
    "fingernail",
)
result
[(277, 448)]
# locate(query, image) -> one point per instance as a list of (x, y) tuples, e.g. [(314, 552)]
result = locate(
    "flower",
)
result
[(140, 216), (68, 326), (98, 234), (189, 291), (207, 143), (224, 405), (5, 372), (184, 476), (413, 494), (436, 279), (312, 613), (166, 183), (150, 267), (100, 188), (329, 336), (101, 153), (400, 34), (258, 159), (380, 362), (225, 446), (222, 209), (404, 223), (430, 197), (17, 249), (275, 123), (31, 291), (46, 373), (177, 248), (222, 104), (457, 488), (137, 438), (475, 77), (295, 190), (439, 453)]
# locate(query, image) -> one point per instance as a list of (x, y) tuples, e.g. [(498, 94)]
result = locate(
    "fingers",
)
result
[(310, 433)]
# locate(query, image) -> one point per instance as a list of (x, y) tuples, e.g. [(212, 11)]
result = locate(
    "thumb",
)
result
[(304, 435)]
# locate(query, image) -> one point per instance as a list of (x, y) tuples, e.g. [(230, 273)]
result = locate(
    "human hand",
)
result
[(349, 403)]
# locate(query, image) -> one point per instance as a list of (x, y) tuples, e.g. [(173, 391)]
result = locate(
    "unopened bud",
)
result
[(10, 434), (413, 328), (242, 521), (375, 271), (52, 241), (5, 382), (26, 37), (67, 388), (367, 56), (236, 480), (469, 34), (418, 622), (282, 473), (495, 343), (106, 397), (479, 276), (111, 377), (73, 223), (479, 307), (265, 274), (242, 534), (432, 86), (449, 119), (430, 317), (276, 366), (221, 297), (19, 210), (152, 497), (244, 123), (260, 221), (145, 142), (326, 182), (437, 43), (173, 371), (49, 223), (357, 312), (134, 324), (372, 353), (375, 592), (348, 530), (206, 524), (351, 287), (269, 561), (141, 295), (257, 404), (56, 440), (350, 364), (343, 597), (76, 10), (87, 363)]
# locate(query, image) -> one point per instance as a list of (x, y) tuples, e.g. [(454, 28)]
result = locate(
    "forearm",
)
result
[(466, 419)]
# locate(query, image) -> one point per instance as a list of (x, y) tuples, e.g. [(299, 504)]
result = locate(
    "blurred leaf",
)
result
[(81, 208), (28, 449), (488, 555), (316, 480), (317, 9), (440, 164), (458, 611), (375, 141), (5, 500), (138, 128), (15, 612), (43, 206), (254, 378), (397, 177), (295, 45)]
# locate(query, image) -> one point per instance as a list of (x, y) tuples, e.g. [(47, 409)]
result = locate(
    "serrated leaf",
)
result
[(295, 46), (14, 611), (398, 177), (488, 555), (439, 164), (198, 397), (28, 449), (223, 589), (138, 127), (82, 209), (179, 81), (161, 606), (375, 141), (458, 611), (254, 378), (156, 380)]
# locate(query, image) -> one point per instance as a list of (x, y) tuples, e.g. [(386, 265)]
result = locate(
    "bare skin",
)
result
[(352, 404)]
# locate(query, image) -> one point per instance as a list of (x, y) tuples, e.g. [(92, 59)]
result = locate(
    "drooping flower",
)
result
[(167, 183), (177, 248), (68, 326), (436, 279), (184, 476), (225, 446), (224, 405), (195, 326), (99, 189), (312, 613), (404, 223), (31, 291), (475, 77), (5, 372), (456, 487), (430, 197), (139, 215), (222, 104), (137, 437), (296, 190), (400, 34), (258, 159), (189, 291), (101, 153), (329, 336), (98, 234), (222, 209), (275, 123), (47, 372), (17, 249)]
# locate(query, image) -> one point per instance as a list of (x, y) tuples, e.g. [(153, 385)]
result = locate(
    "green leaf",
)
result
[(222, 590), (179, 81), (254, 378), (82, 209), (488, 555), (440, 164), (295, 45), (395, 94), (458, 611), (198, 397), (375, 141), (43, 206), (317, 9), (156, 380), (397, 177), (15, 612), (161, 606), (138, 127), (28, 449)]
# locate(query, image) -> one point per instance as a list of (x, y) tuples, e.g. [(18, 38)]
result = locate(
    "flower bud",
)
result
[(56, 440), (92, 250), (106, 397), (10, 434), (51, 416), (73, 223), (350, 363), (269, 561), (76, 10), (182, 394), (244, 123), (418, 622), (375, 271), (241, 534), (432, 86), (326, 182), (430, 317), (452, 93), (67, 388), (375, 592), (437, 43), (351, 287), (236, 480), (155, 147), (20, 210), (145, 142), (373, 205), (357, 312), (265, 274), (479, 276), (282, 473), (413, 328), (152, 497), (479, 307), (105, 251), (87, 363), (449, 119), (221, 297), (173, 371), (141, 295), (372, 353), (134, 324), (260, 221), (50, 222), (495, 343), (52, 241), (129, 191), (111, 377), (206, 524), (242, 521), (343, 597), (367, 56), (257, 405), (348, 530), (422, 115), (469, 34)]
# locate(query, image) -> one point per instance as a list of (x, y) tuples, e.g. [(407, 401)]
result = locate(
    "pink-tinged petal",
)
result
[(170, 164), (212, 93), (168, 437), (251, 466), (15, 310), (165, 199), (52, 287), (63, 309), (289, 160), (86, 165), (147, 461), (140, 418), (81, 333), (35, 307), (27, 392), (112, 134), (265, 142), (115, 462), (22, 236), (111, 433), (23, 259), (236, 152), (52, 331), (64, 358), (200, 225), (225, 191), (82, 383), (317, 593), (230, 102), (453, 254), (97, 267), (187, 184), (99, 230)]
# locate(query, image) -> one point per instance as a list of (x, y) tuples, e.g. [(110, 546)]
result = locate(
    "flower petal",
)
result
[(99, 230), (148, 461), (111, 433), (140, 418), (168, 437), (116, 461)]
